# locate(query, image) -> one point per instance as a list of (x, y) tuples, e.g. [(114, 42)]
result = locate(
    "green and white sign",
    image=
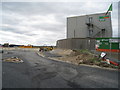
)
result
[(114, 40), (103, 18)]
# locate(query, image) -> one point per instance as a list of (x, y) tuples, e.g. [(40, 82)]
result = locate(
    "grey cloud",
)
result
[(16, 13), (43, 8), (9, 20), (13, 30), (7, 29), (29, 34), (31, 8), (53, 28), (27, 8)]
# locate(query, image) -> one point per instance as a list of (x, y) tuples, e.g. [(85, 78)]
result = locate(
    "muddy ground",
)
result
[(80, 57)]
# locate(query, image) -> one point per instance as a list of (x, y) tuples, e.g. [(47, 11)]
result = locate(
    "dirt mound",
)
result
[(62, 52), (13, 59), (75, 56), (80, 57)]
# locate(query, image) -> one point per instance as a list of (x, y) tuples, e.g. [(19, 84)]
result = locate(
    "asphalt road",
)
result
[(39, 72)]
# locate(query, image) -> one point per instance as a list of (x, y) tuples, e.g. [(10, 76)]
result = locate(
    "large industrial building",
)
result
[(94, 25), (82, 31)]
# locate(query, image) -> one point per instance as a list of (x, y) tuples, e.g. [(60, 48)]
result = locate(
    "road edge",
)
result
[(95, 66)]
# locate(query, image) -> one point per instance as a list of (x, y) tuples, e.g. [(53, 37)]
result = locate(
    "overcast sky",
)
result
[(43, 23)]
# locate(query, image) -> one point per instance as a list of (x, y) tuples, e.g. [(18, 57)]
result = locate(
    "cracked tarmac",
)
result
[(40, 72)]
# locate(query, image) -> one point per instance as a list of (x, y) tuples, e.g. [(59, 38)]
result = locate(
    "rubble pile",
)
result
[(81, 57), (13, 59)]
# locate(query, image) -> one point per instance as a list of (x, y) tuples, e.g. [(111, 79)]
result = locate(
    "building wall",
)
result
[(77, 28), (77, 43)]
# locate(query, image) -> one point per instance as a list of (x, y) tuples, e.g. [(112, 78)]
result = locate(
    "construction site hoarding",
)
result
[(77, 43), (110, 44)]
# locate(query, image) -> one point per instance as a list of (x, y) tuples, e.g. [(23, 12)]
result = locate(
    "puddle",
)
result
[(13, 59)]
